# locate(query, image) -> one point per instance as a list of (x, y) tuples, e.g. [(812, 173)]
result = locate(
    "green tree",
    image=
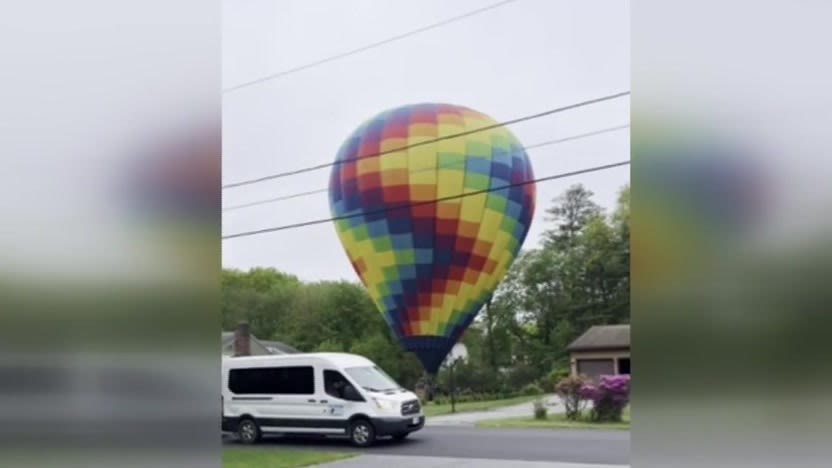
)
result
[(570, 213)]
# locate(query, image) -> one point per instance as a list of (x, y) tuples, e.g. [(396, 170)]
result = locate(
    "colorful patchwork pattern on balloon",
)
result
[(430, 266)]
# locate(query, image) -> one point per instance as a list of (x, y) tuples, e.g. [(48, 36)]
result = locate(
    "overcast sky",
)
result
[(519, 59)]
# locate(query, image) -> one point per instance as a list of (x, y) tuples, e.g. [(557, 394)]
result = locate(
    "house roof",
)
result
[(602, 337), (280, 346)]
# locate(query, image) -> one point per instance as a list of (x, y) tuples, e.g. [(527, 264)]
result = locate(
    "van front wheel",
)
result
[(247, 431), (362, 433)]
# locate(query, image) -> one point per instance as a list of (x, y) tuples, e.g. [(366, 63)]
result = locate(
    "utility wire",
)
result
[(428, 142), (441, 166), (368, 46), (427, 202)]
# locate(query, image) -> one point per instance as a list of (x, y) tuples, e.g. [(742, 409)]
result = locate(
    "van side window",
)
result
[(272, 381), (335, 385)]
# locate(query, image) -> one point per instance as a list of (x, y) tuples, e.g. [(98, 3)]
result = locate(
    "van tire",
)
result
[(248, 431), (362, 433)]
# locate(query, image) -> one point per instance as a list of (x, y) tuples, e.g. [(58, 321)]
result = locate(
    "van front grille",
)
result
[(411, 407)]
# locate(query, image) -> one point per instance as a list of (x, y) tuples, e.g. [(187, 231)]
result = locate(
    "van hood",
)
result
[(399, 395)]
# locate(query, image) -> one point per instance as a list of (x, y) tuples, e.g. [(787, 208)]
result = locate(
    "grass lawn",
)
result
[(432, 409), (277, 458), (558, 421)]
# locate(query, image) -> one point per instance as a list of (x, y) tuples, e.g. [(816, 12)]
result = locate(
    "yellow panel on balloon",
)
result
[(472, 208), (449, 182), (422, 168), (451, 145), (368, 165), (490, 221)]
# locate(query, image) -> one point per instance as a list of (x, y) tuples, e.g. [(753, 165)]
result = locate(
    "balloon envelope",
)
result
[(430, 266)]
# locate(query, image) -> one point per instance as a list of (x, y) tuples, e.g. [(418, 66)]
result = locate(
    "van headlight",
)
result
[(386, 405)]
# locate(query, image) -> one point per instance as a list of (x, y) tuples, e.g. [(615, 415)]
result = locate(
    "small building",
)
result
[(601, 350)]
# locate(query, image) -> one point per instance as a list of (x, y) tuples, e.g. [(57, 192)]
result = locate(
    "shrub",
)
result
[(573, 394), (520, 375), (556, 375), (609, 397), (531, 390), (540, 411)]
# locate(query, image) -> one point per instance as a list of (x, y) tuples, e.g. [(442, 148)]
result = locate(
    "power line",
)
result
[(427, 202), (428, 142), (455, 164), (368, 46)]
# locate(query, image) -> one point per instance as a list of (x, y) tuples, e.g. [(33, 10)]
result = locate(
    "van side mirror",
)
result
[(351, 394)]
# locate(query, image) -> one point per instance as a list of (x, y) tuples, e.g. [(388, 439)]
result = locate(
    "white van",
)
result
[(335, 394)]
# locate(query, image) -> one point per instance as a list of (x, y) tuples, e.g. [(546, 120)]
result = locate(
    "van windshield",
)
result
[(372, 378)]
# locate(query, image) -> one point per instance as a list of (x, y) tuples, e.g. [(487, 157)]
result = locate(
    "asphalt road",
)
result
[(569, 446)]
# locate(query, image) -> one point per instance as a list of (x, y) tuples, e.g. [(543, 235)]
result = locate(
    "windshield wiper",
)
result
[(372, 389)]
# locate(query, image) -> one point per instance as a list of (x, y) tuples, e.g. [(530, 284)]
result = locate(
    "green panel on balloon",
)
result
[(450, 160), (475, 148), (496, 202), (360, 233), (382, 244), (405, 256), (477, 181)]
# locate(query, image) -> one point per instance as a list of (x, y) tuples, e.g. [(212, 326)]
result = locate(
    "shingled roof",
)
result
[(279, 346), (601, 337)]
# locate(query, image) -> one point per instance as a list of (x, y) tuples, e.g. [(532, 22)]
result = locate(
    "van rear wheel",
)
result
[(362, 433), (248, 431)]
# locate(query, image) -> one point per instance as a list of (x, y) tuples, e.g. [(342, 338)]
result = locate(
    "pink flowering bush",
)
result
[(609, 397), (571, 392)]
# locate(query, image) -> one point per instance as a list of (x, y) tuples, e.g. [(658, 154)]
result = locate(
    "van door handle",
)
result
[(324, 401), (311, 400)]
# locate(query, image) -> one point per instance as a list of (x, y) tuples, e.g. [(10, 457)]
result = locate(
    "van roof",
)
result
[(336, 359)]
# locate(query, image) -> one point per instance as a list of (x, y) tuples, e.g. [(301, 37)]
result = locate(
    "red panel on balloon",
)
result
[(423, 116), (348, 170), (396, 193), (446, 226), (395, 131), (422, 212), (368, 148), (370, 180), (456, 273), (477, 262), (464, 244)]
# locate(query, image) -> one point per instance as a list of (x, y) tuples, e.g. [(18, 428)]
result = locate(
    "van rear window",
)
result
[(297, 380)]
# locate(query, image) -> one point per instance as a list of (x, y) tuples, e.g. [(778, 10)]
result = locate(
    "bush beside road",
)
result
[(558, 421)]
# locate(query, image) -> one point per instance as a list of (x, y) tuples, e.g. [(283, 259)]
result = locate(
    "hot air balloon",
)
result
[(431, 265)]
